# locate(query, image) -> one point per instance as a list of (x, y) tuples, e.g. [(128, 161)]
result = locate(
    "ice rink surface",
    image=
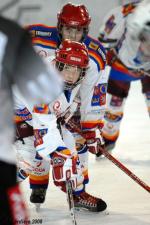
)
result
[(128, 203)]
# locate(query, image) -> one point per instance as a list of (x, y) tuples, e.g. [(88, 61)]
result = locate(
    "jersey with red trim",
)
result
[(89, 97), (114, 34), (46, 40)]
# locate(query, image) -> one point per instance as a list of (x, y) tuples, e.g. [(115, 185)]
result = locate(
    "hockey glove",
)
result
[(65, 167), (94, 140)]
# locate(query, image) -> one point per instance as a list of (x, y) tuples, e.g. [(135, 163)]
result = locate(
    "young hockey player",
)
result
[(73, 23), (126, 35), (80, 86)]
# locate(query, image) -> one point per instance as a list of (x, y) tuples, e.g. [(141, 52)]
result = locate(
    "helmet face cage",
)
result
[(69, 86), (73, 58)]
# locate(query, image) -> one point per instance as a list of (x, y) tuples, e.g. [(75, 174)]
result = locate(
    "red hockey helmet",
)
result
[(76, 16), (74, 54)]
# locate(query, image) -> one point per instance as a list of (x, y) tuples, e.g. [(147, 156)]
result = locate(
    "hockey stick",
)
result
[(69, 193), (114, 160), (70, 201)]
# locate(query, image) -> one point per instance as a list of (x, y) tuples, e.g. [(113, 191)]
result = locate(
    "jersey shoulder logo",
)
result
[(93, 45)]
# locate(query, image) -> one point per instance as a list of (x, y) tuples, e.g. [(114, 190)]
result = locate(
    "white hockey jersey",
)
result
[(90, 94), (93, 88), (114, 33)]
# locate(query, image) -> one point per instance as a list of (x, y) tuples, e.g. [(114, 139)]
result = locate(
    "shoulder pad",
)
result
[(96, 52)]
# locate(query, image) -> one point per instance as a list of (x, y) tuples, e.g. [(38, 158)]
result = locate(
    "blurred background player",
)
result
[(73, 23), (72, 61), (20, 66), (126, 36)]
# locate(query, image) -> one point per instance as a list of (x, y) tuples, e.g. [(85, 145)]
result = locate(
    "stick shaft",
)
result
[(70, 201), (115, 161)]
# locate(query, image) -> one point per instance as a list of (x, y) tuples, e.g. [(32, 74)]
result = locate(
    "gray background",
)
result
[(45, 11)]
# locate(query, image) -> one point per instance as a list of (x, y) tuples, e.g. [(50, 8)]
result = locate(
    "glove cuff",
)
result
[(62, 151)]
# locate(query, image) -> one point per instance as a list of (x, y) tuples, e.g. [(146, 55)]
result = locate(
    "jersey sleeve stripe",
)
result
[(98, 59), (44, 43)]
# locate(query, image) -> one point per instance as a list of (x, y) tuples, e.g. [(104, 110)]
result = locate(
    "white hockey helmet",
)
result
[(139, 21)]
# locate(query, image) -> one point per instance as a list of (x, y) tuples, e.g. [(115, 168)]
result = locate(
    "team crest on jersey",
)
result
[(110, 24), (99, 95), (93, 45)]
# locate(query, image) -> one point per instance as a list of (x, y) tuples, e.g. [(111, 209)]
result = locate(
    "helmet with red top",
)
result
[(72, 61), (73, 53), (75, 16)]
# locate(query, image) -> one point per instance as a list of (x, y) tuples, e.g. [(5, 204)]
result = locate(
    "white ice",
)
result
[(128, 203)]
